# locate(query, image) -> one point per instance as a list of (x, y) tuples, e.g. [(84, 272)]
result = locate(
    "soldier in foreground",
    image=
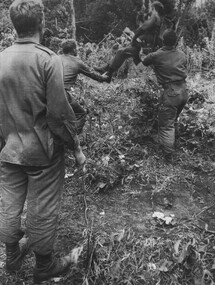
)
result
[(169, 65), (36, 121)]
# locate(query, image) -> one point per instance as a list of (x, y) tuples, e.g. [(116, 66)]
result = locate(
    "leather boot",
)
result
[(169, 158), (15, 255), (48, 267)]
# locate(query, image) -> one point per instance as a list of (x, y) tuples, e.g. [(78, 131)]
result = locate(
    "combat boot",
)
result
[(15, 255), (168, 158), (48, 267)]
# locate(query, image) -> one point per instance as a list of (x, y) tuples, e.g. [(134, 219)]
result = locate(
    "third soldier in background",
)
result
[(169, 65)]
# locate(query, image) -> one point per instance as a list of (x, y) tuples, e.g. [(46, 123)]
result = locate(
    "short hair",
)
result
[(169, 37), (26, 16), (68, 46), (159, 7)]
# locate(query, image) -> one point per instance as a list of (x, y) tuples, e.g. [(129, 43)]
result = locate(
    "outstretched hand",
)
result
[(106, 78)]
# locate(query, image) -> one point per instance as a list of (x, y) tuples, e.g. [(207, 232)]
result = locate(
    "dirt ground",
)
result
[(124, 207), (111, 207)]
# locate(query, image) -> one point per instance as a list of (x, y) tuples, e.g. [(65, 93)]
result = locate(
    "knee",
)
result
[(167, 116)]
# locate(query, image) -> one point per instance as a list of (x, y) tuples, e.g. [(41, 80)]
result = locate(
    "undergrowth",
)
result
[(124, 164), (122, 156), (119, 140)]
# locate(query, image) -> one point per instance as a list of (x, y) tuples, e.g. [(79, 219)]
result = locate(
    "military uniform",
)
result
[(35, 121), (169, 65)]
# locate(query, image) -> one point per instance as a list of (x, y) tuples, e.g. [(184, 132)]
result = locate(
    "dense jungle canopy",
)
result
[(96, 18)]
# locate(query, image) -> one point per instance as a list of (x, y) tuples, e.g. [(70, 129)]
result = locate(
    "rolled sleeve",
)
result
[(60, 116)]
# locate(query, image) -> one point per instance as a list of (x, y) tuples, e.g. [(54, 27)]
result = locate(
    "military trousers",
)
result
[(40, 188), (172, 101), (123, 54), (80, 113), (131, 51)]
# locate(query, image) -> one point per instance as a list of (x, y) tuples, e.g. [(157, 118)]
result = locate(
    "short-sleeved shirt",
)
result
[(34, 111)]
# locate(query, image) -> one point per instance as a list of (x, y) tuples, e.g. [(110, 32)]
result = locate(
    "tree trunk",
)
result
[(72, 19)]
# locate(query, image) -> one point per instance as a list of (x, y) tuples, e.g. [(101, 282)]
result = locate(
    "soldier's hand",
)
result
[(106, 78), (79, 157)]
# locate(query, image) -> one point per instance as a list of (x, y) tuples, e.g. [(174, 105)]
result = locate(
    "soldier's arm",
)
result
[(60, 116), (85, 70), (148, 60)]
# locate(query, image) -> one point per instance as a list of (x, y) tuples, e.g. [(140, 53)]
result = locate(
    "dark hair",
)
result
[(26, 16), (169, 37), (48, 33), (158, 7), (68, 46)]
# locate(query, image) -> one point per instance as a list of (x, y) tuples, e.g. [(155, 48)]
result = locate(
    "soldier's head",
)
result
[(27, 17), (158, 6), (169, 37), (69, 47)]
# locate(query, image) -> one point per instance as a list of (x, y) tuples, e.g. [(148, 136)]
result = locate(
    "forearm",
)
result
[(60, 116), (93, 75), (97, 77), (76, 143), (63, 128), (85, 70)]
